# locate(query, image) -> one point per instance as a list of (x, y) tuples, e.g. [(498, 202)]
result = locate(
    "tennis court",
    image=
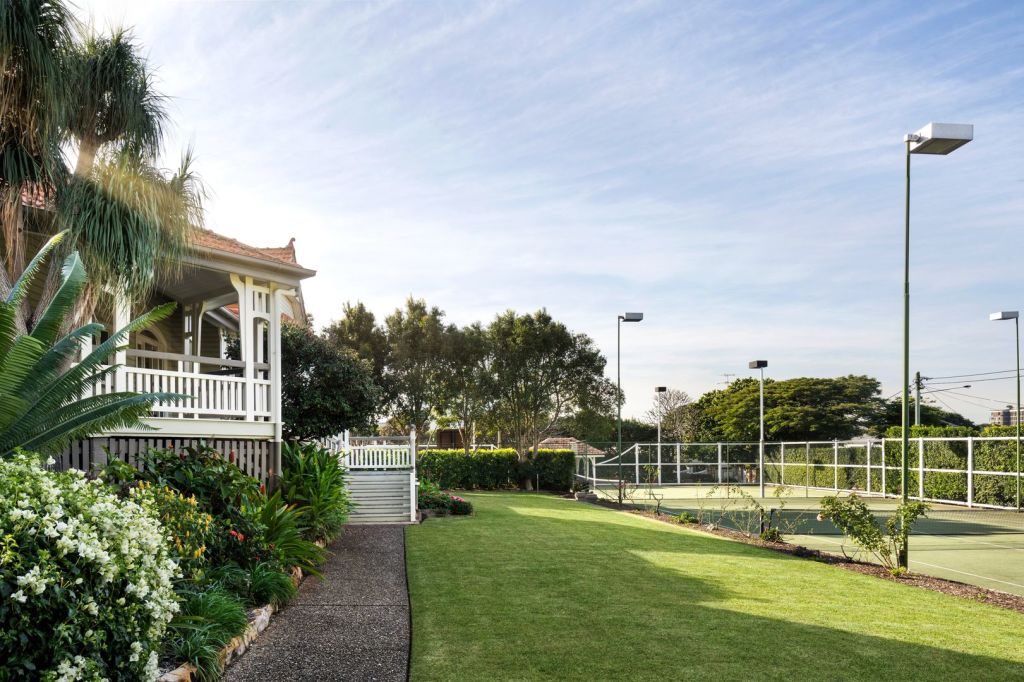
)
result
[(983, 547)]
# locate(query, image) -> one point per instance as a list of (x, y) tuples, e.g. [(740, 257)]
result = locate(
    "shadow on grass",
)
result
[(538, 588)]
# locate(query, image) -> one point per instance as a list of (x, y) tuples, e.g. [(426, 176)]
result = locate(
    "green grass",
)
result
[(535, 587)]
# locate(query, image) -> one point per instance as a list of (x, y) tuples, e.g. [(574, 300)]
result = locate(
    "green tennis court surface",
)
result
[(983, 547)]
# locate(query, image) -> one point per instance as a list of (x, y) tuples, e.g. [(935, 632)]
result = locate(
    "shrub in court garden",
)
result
[(853, 518), (86, 578)]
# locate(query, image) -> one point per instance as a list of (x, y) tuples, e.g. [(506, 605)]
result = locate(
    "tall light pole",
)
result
[(760, 365), (626, 317), (934, 138), (658, 404), (1013, 315)]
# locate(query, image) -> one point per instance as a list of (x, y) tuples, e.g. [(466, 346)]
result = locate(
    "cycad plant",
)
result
[(45, 401)]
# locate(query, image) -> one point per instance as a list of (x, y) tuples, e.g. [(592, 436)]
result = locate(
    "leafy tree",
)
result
[(805, 408), (542, 371), (465, 388), (42, 407), (415, 339), (357, 331), (324, 389)]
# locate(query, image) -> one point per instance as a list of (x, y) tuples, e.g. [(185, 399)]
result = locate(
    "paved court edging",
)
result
[(355, 624)]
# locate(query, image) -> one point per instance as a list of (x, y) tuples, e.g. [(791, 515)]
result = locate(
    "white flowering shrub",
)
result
[(85, 578)]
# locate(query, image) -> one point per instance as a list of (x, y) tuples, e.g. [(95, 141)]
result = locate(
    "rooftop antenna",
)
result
[(728, 379)]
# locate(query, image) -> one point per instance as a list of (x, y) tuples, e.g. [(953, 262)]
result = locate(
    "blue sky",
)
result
[(734, 170)]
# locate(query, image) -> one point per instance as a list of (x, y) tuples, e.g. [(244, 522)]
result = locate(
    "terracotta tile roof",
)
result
[(218, 242), (35, 196)]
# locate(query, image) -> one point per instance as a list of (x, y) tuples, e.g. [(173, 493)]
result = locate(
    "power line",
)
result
[(969, 402), (940, 383), (976, 374), (980, 397)]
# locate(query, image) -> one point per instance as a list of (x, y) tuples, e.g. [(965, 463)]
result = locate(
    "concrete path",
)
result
[(352, 625)]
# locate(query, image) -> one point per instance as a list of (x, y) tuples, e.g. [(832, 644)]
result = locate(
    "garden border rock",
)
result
[(259, 619)]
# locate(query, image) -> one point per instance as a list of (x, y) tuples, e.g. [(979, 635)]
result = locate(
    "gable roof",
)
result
[(211, 240)]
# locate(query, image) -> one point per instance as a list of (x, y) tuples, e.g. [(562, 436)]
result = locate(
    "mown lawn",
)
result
[(539, 588)]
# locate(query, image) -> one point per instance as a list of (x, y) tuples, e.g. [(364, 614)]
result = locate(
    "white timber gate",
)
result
[(381, 477)]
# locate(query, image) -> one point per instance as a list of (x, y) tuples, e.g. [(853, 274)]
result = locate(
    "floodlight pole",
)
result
[(628, 317), (903, 558), (618, 398), (1016, 324), (760, 452)]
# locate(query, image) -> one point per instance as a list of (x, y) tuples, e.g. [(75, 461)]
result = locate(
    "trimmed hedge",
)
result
[(496, 469)]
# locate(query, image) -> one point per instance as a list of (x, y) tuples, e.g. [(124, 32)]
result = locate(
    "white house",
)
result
[(221, 347)]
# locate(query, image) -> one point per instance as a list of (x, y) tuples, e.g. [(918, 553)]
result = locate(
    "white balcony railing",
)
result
[(215, 387)]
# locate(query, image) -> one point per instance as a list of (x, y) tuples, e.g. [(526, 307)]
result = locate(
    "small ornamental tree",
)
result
[(324, 389), (853, 518)]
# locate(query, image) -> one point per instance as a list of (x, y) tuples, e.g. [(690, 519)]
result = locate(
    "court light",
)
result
[(936, 139), (625, 317), (1013, 315)]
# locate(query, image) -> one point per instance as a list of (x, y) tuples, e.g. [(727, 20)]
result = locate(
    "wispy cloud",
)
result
[(734, 170)]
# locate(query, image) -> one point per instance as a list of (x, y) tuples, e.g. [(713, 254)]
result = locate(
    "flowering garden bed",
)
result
[(131, 572)]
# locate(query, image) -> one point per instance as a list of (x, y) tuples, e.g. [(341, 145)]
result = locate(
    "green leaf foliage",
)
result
[(496, 469), (313, 479), (324, 389), (42, 407)]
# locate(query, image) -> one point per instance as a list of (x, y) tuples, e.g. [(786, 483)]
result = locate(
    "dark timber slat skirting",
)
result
[(255, 457)]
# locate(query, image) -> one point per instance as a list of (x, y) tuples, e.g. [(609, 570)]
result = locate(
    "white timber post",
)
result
[(885, 491), (413, 501), (782, 463), (122, 316), (835, 464), (869, 468), (636, 459), (970, 471), (719, 464), (275, 358), (659, 462), (679, 472), (245, 341), (807, 470), (920, 468)]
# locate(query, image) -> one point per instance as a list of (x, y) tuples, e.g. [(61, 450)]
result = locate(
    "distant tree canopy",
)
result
[(513, 379), (804, 408)]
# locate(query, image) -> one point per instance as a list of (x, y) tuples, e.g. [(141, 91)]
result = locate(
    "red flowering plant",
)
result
[(222, 490)]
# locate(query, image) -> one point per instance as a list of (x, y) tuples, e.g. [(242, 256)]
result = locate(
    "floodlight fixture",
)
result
[(660, 389), (939, 138), (1004, 315), (757, 364), (631, 317)]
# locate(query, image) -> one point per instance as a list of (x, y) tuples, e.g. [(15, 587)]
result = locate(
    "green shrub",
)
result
[(269, 585), (497, 469), (555, 469), (85, 578), (284, 537), (686, 517), (460, 506), (853, 518), (430, 496), (208, 621), (189, 529), (313, 479), (222, 490), (484, 469)]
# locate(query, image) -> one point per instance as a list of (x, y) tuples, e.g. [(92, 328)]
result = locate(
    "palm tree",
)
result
[(42, 407), (35, 39), (129, 220), (113, 101)]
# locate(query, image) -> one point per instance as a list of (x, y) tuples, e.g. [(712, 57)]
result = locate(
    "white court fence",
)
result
[(971, 471)]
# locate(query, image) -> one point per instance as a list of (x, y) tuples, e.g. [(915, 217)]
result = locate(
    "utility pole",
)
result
[(917, 399)]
